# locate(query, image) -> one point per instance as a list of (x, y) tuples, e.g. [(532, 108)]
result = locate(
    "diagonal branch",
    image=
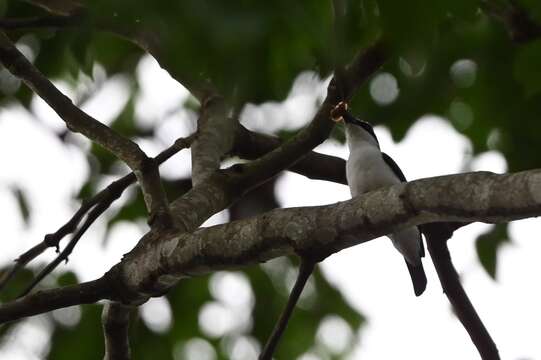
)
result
[(437, 235), (145, 168), (107, 196), (92, 216), (479, 196), (216, 131)]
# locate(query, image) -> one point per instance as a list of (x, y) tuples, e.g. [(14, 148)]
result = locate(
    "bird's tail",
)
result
[(418, 278)]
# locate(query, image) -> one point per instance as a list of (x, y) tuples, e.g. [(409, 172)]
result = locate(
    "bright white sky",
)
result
[(372, 276)]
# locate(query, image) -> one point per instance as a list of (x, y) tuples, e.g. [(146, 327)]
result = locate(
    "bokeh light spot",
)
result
[(384, 89)]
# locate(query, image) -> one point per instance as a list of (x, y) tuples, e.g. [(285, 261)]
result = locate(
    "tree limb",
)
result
[(216, 131), (437, 236), (478, 196), (115, 322), (48, 300), (305, 270)]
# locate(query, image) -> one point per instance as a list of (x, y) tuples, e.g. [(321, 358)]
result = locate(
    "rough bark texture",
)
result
[(115, 323), (479, 196), (216, 131)]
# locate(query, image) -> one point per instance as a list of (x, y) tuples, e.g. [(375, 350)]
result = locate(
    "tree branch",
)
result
[(305, 270), (437, 236), (216, 131), (479, 196), (145, 168), (115, 322), (48, 300)]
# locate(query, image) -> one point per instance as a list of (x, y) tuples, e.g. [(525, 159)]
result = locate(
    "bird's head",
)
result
[(356, 129)]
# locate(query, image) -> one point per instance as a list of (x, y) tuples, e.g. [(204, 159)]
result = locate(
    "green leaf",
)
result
[(487, 246)]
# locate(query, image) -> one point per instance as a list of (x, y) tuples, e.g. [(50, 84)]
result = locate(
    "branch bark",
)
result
[(479, 196), (216, 131), (115, 323), (48, 300)]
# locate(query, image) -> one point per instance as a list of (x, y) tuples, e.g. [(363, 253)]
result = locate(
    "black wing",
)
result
[(417, 273), (394, 166), (398, 172)]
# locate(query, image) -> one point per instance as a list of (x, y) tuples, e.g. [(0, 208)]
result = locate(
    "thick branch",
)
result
[(479, 196), (115, 322), (77, 120), (216, 131)]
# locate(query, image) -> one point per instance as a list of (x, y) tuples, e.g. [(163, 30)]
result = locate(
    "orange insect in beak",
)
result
[(337, 113)]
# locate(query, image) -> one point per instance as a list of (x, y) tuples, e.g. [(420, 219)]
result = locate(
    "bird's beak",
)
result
[(337, 113)]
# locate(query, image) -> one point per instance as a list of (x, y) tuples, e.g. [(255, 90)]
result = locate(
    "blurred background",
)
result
[(459, 96)]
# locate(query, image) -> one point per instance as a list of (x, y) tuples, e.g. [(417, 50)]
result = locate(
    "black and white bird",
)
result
[(368, 169)]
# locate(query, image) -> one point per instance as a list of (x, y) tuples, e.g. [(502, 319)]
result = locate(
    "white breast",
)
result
[(366, 170)]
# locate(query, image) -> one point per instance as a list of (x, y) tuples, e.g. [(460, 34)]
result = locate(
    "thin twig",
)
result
[(92, 216), (305, 270), (437, 235), (48, 300)]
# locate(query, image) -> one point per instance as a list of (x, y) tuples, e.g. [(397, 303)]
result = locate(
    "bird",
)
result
[(368, 169)]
